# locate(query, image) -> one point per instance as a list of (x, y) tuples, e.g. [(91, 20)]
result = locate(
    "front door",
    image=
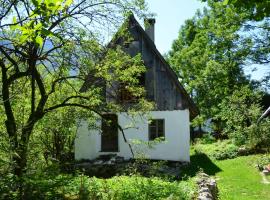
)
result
[(109, 136)]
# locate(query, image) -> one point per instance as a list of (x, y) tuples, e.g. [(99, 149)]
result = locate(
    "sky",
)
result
[(171, 14)]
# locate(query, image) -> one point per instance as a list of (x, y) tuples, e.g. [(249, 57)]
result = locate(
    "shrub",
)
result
[(230, 151), (240, 113), (62, 186), (8, 186), (219, 150), (134, 187), (206, 139), (262, 161)]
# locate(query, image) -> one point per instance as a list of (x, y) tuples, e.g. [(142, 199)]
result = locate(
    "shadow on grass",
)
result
[(198, 162)]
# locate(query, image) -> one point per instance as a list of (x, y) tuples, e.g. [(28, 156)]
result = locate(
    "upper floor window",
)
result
[(124, 95), (156, 129)]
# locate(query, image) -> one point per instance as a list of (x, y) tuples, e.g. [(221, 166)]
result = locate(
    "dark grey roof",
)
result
[(194, 111)]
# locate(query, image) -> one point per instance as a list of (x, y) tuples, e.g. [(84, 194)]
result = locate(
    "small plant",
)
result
[(207, 138), (262, 161), (83, 193)]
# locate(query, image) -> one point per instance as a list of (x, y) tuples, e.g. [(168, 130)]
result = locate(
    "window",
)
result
[(125, 96), (156, 129)]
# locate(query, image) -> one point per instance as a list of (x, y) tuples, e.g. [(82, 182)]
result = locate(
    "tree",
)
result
[(241, 112), (254, 28), (55, 135), (259, 9), (208, 57), (47, 49)]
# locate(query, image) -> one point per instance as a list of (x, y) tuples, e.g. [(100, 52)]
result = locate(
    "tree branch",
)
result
[(17, 75), (10, 122), (59, 80), (9, 58), (70, 104), (8, 9), (42, 90)]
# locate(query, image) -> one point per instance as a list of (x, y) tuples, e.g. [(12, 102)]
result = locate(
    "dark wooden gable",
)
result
[(161, 83)]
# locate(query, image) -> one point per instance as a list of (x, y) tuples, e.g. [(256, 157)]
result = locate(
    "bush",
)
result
[(230, 151), (219, 150), (82, 187), (240, 113), (8, 186), (262, 161), (206, 139), (124, 187)]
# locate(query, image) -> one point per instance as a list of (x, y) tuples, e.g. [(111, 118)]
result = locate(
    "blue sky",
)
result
[(170, 15)]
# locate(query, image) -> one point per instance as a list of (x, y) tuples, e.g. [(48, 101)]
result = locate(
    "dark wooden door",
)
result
[(109, 136)]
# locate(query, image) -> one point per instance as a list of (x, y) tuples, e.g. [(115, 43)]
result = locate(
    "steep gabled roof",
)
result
[(194, 111)]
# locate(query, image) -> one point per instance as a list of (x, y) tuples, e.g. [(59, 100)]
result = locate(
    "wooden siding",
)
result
[(159, 85)]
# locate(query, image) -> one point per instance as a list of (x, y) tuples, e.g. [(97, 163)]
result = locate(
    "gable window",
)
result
[(125, 96), (156, 129)]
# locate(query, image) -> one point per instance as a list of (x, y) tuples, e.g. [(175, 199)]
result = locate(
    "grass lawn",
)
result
[(237, 178)]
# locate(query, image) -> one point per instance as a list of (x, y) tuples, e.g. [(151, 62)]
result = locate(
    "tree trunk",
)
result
[(20, 152), (20, 160)]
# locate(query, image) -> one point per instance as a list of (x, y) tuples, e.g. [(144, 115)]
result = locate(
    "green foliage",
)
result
[(259, 9), (82, 187), (51, 49), (207, 57), (254, 30), (9, 186), (262, 161), (219, 150), (206, 139), (241, 112)]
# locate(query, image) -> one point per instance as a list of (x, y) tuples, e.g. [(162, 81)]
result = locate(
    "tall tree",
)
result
[(255, 28), (47, 49), (208, 57), (259, 9)]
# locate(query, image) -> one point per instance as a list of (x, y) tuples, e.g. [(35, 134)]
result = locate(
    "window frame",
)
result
[(156, 125)]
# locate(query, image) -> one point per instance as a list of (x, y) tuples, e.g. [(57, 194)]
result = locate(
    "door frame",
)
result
[(109, 122)]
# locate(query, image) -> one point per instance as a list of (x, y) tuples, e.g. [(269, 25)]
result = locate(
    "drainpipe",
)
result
[(265, 114)]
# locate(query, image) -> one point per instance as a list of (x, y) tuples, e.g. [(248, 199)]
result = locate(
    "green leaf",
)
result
[(46, 32), (68, 2), (35, 2), (39, 40), (226, 2)]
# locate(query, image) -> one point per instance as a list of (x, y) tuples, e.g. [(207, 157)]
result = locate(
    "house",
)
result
[(170, 120)]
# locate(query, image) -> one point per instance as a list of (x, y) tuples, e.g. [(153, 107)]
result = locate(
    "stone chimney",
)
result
[(149, 25)]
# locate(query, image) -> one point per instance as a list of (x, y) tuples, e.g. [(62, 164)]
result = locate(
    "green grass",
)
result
[(238, 178)]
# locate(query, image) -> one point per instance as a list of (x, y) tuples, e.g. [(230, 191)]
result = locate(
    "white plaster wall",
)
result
[(86, 142), (175, 147)]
